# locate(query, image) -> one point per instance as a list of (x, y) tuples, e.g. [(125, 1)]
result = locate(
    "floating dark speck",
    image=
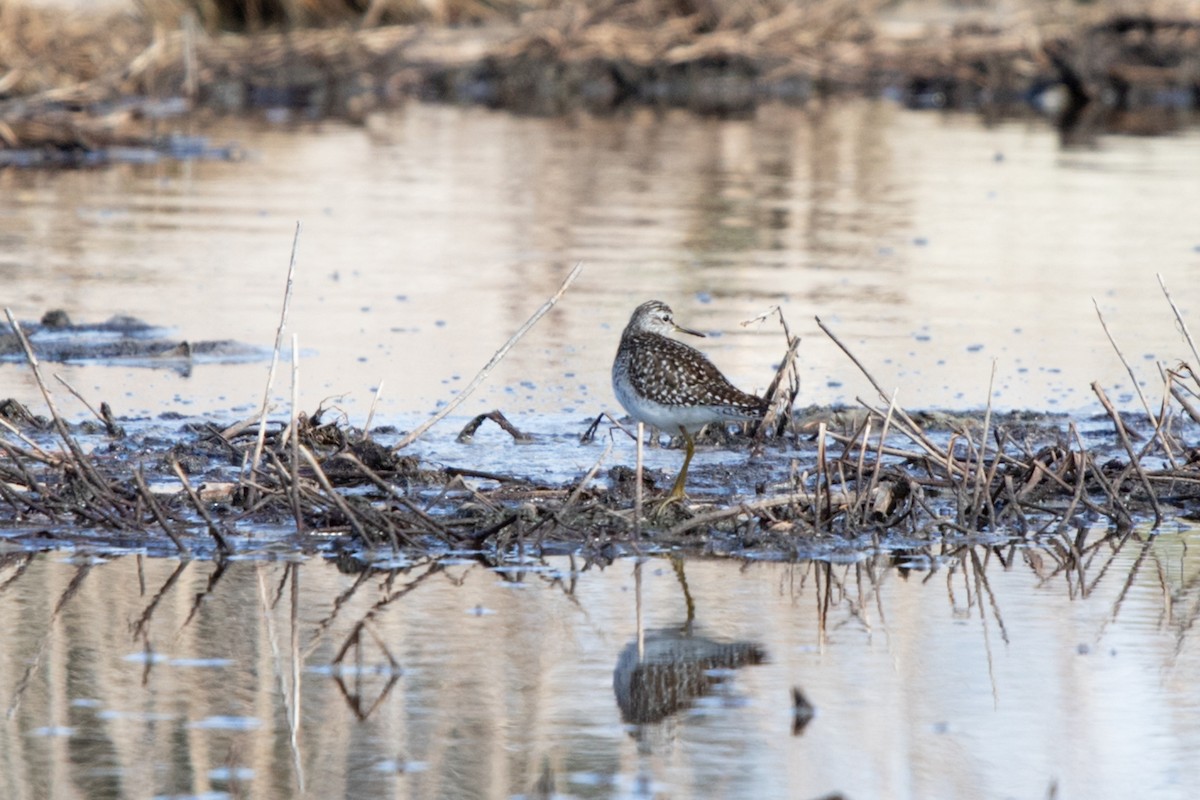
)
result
[(974, 348)]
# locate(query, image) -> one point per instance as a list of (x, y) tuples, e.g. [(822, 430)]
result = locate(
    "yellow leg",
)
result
[(677, 489)]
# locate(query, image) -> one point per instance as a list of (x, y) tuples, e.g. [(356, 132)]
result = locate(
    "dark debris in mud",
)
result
[(814, 481), (126, 340), (830, 483)]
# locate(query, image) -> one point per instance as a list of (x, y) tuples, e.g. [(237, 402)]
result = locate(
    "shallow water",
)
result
[(933, 245), (139, 678)]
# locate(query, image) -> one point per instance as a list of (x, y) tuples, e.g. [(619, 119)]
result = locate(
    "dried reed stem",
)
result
[(157, 512), (883, 432), (294, 466), (491, 364), (982, 485), (371, 411), (104, 421), (37, 452), (333, 495), (81, 461), (822, 508), (1134, 463), (283, 315), (591, 473), (1137, 387), (213, 530), (1179, 320), (637, 483)]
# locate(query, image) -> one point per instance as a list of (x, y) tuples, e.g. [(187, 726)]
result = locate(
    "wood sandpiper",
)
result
[(671, 386)]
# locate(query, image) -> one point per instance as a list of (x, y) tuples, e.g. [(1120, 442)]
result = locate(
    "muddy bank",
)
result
[(833, 481), (119, 340), (815, 482), (1094, 69)]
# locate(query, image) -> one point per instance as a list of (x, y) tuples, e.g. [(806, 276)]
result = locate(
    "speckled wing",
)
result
[(671, 373)]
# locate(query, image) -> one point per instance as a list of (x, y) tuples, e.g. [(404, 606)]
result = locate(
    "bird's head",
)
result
[(655, 316)]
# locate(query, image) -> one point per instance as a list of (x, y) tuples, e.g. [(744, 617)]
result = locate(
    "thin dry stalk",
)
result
[(231, 432), (33, 487), (884, 449), (213, 529), (916, 434), (333, 495), (1160, 433), (156, 510), (776, 390), (991, 489), (491, 364), (106, 421), (1119, 511), (38, 454), (262, 420), (1137, 387), (823, 508), (591, 473), (753, 507), (637, 483), (81, 461), (912, 431), (883, 432), (979, 487), (371, 410), (1134, 463), (433, 525), (1179, 319), (1015, 505), (1178, 393), (863, 436), (294, 494), (1081, 470)]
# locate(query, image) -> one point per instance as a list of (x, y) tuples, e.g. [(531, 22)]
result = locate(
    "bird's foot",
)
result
[(671, 508)]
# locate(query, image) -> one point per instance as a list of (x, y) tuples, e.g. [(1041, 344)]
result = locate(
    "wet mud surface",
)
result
[(119, 340), (827, 486), (814, 482)]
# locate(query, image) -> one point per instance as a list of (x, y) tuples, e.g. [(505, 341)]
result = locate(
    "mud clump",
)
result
[(826, 484), (120, 339)]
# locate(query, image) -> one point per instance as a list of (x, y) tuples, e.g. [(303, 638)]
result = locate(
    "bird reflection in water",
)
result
[(664, 670)]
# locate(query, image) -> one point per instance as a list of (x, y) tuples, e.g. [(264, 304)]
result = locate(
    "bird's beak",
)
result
[(682, 329)]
